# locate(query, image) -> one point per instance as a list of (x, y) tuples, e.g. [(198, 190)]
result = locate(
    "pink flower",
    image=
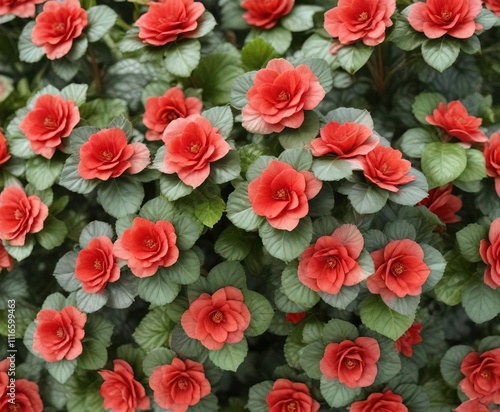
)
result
[(295, 317), (169, 20), (162, 110), (386, 167), (287, 396), (146, 246), (20, 215), (51, 120), (472, 406), (435, 18), (279, 97), (6, 261), (121, 392), (443, 203), (4, 150), (281, 194), (400, 270), (57, 26), (364, 20), (180, 385), (482, 376), (266, 14), (331, 262), (353, 363), (19, 8), (386, 401), (191, 145), (108, 155), (454, 120), (217, 319), (490, 253), (493, 5), (409, 339), (27, 394), (492, 159), (59, 334)]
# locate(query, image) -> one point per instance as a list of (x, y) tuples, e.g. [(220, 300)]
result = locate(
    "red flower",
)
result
[(493, 5), (435, 18), (179, 385), (490, 253), (6, 261), (146, 246), (346, 141), (57, 26), (161, 110), (365, 20), (59, 334), (191, 145), (96, 266), (19, 8), (51, 120), (20, 215), (385, 167), (279, 97), (295, 317), (331, 262), (455, 121), (4, 150), (266, 14), (492, 159), (281, 194), (352, 363), (121, 392), (380, 402), (472, 406), (27, 396), (410, 338), (400, 270), (108, 155), (443, 203), (217, 319), (291, 396), (168, 20), (482, 376)]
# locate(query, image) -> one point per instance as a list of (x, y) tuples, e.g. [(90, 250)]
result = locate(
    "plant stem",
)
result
[(96, 71)]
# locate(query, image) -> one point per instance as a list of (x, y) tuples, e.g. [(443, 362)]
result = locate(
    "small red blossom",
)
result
[(266, 14), (287, 396), (279, 96), (6, 261), (472, 406), (435, 18), (51, 120), (191, 145), (409, 339), (353, 363), (108, 155), (20, 215), (443, 203), (162, 110), (386, 167), (400, 270), (169, 20), (295, 317), (59, 334), (217, 319), (281, 194), (493, 5), (19, 8), (364, 20), (331, 262), (146, 246), (482, 376), (492, 159), (121, 391), (57, 26), (4, 150), (180, 385), (27, 394), (490, 254), (386, 401), (96, 266), (454, 120)]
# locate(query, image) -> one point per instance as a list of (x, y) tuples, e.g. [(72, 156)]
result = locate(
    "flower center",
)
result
[(283, 96), (384, 167), (331, 262), (350, 363), (182, 384), (14, 407), (18, 215), (59, 26), (150, 243), (59, 332), (194, 148), (281, 194), (217, 316), (106, 155), (97, 264), (363, 16), (461, 120), (50, 123), (446, 15), (170, 116), (486, 374), (291, 406), (398, 269)]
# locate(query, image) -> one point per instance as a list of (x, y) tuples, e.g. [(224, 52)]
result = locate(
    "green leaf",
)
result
[(389, 363), (230, 356), (71, 179), (225, 169), (476, 167), (28, 52), (310, 357), (240, 88), (184, 345), (90, 302), (131, 41), (413, 192), (120, 197), (206, 23), (122, 293), (42, 172), (294, 289), (291, 349), (300, 18), (99, 329), (20, 252), (457, 274), (440, 53), (301, 137), (226, 274), (286, 245), (186, 270), (95, 229), (258, 166), (53, 233), (424, 105), (436, 263), (209, 210), (256, 54), (154, 330), (187, 229), (257, 396), (101, 20), (299, 159), (336, 331), (157, 357), (342, 299), (413, 141), (158, 209), (234, 243), (487, 19), (13, 285), (451, 362), (405, 37), (55, 301), (351, 58), (481, 303), (94, 355), (469, 239), (220, 117), (101, 112), (443, 162), (261, 311), (239, 209), (278, 37), (75, 92), (61, 370), (158, 289), (65, 68), (322, 204), (182, 57), (336, 394), (173, 188), (380, 318), (367, 198), (333, 169)]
